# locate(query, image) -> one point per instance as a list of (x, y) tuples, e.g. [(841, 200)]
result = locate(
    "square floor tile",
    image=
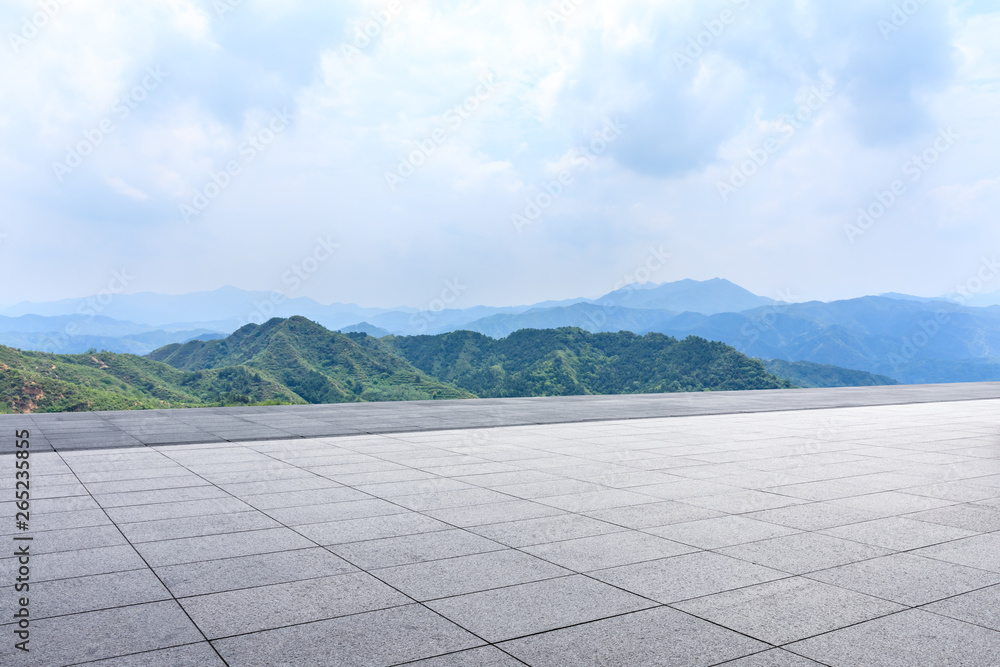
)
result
[(783, 611), (468, 574), (687, 576), (723, 531), (660, 637), (907, 579), (266, 607), (909, 638), (515, 611), (803, 552), (601, 551)]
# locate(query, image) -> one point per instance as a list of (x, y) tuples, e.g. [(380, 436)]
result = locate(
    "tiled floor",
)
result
[(849, 536)]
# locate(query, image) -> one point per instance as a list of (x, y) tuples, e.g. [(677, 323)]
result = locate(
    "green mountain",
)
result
[(296, 360), (43, 382), (314, 363), (557, 362), (809, 374)]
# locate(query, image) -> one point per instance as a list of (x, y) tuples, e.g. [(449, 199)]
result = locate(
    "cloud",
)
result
[(698, 86)]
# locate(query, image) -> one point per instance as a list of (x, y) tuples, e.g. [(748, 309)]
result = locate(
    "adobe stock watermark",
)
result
[(293, 279), (450, 293), (223, 7), (741, 174), (32, 25), (914, 168), (558, 14), (248, 151), (713, 29), (581, 158), (901, 14), (92, 306), (367, 31), (453, 119), (763, 320), (121, 109), (911, 344), (655, 261)]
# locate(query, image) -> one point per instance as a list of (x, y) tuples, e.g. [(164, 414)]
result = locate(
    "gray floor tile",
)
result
[(776, 657), (814, 516), (980, 607), (660, 637), (787, 610), (227, 545), (898, 533), (323, 512), (478, 515), (977, 518), (907, 579), (191, 655), (248, 571), (373, 639), (197, 526), (407, 549), (584, 554), (266, 607), (981, 551), (75, 539), (687, 576), (721, 531), (159, 496), (803, 552), (271, 501), (109, 633), (88, 593), (909, 638), (102, 560), (515, 611), (743, 501), (370, 528), (546, 529), (596, 500), (176, 510), (468, 574), (653, 514), (488, 656)]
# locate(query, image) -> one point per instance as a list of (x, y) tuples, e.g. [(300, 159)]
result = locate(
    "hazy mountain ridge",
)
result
[(911, 339), (296, 360)]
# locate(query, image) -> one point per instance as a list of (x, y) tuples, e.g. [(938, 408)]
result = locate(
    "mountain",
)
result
[(318, 365), (706, 297), (42, 382), (225, 308), (366, 328), (809, 374), (908, 341), (296, 360), (587, 316), (547, 362), (910, 297)]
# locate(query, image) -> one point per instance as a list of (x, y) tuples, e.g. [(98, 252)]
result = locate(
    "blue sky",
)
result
[(384, 152)]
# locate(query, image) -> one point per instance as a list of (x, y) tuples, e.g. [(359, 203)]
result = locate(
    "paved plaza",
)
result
[(847, 527)]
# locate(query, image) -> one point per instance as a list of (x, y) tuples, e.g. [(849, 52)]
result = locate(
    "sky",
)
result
[(391, 152)]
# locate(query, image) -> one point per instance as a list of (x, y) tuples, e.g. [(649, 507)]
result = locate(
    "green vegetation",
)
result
[(298, 361), (314, 363), (42, 382), (566, 361), (809, 374)]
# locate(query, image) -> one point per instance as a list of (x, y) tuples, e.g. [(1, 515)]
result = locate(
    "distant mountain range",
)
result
[(296, 360), (906, 338)]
